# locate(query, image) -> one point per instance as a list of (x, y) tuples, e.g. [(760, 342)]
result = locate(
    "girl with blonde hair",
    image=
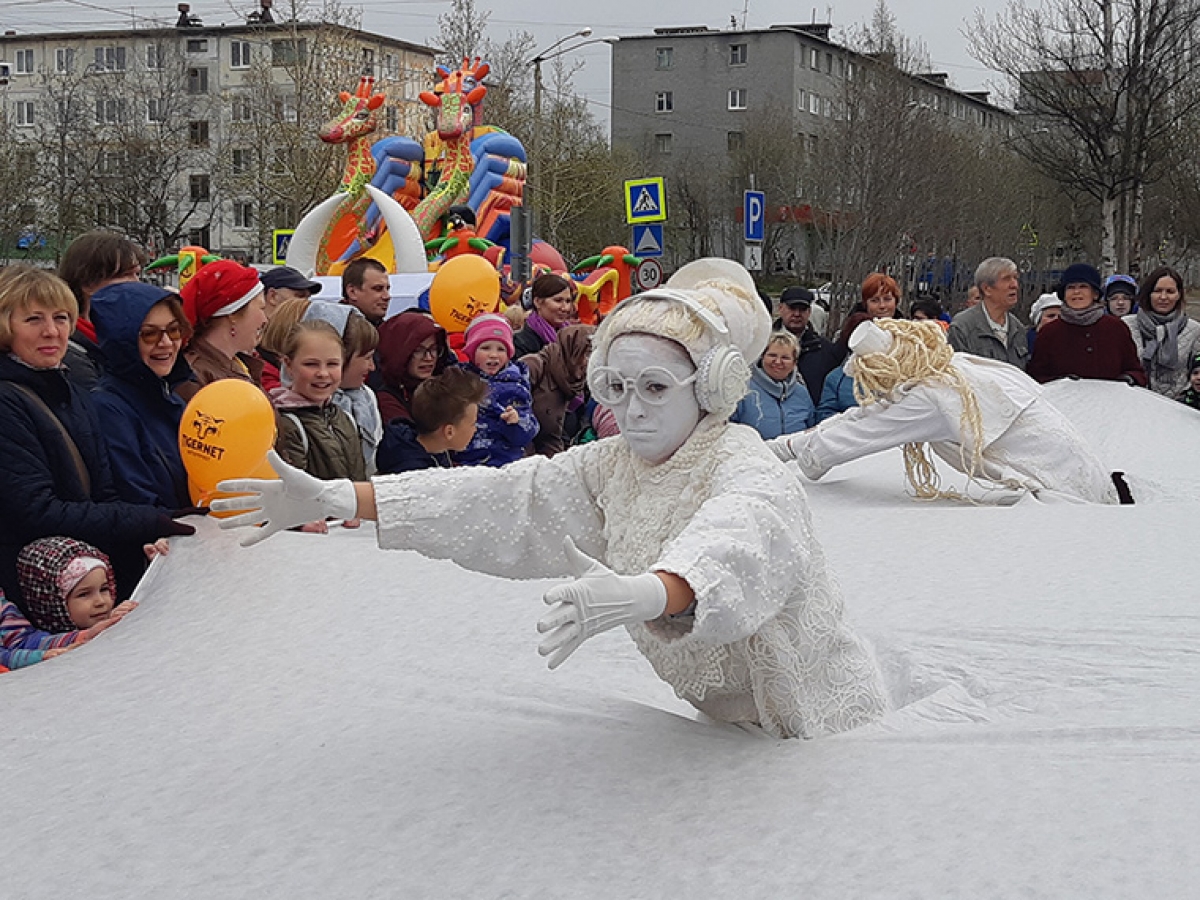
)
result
[(985, 418)]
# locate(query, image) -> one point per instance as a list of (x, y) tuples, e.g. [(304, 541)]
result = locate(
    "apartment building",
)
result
[(198, 115), (693, 88)]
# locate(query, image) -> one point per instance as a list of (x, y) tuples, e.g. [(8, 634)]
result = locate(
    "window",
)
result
[(814, 59), (112, 162), (368, 61), (391, 66), (737, 54), (285, 109), (827, 107), (841, 67), (64, 60), (198, 133), (156, 110), (110, 111), (239, 54), (24, 62), (286, 215), (110, 59), (391, 118), (734, 141), (106, 215), (240, 160), (288, 52), (239, 109), (803, 104), (664, 57), (24, 113), (828, 63), (197, 45), (200, 237), (662, 143), (198, 188), (26, 161), (243, 214), (197, 80), (155, 57), (814, 104), (737, 98), (281, 162), (849, 70), (664, 101)]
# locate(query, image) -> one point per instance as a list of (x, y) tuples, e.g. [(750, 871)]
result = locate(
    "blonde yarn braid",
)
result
[(920, 352)]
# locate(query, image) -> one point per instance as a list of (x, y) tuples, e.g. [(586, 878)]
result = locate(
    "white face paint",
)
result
[(654, 432)]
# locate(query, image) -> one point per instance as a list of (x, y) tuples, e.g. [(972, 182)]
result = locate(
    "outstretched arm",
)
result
[(508, 522), (864, 430)]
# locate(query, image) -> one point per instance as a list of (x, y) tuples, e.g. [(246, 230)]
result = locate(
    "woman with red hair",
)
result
[(880, 300)]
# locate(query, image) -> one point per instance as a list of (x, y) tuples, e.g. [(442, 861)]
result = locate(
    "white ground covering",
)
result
[(317, 718)]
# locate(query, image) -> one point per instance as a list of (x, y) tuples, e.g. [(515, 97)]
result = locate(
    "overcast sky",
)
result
[(937, 23)]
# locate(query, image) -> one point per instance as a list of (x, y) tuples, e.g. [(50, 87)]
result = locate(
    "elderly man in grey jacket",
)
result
[(989, 329)]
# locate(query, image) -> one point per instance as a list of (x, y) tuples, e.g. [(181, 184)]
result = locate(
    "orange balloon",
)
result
[(463, 288), (226, 431)]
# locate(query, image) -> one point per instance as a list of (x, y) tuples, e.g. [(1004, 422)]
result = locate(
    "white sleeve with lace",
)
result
[(507, 521)]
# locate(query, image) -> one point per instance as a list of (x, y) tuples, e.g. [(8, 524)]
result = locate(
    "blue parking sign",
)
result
[(754, 215)]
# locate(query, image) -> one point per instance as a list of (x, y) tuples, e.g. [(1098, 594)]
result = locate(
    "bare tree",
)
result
[(274, 161), (1104, 86), (120, 145), (462, 32)]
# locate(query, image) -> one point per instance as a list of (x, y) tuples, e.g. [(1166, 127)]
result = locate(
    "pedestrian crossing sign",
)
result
[(281, 240), (645, 201)]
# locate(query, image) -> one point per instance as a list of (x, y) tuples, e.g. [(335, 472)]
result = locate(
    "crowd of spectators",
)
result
[(96, 368)]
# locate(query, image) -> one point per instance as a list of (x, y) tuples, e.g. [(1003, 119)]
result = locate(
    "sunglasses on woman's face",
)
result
[(150, 335)]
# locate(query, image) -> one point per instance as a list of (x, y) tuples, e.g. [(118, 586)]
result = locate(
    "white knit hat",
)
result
[(732, 287), (1043, 303)]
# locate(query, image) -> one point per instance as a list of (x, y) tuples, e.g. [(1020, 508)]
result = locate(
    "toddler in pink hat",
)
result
[(506, 425)]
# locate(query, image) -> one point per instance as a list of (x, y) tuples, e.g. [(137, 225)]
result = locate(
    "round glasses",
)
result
[(653, 385), (150, 335)]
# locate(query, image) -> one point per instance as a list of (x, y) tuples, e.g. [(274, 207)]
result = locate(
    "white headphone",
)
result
[(722, 374)]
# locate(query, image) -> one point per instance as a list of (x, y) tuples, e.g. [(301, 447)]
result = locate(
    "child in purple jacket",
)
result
[(506, 425), (68, 591)]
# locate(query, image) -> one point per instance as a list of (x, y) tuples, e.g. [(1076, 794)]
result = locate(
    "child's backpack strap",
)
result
[(303, 434)]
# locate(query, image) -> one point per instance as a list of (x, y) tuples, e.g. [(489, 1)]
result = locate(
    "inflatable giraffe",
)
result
[(329, 230)]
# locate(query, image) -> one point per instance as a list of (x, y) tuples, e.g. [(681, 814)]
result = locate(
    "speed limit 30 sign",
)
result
[(649, 274)]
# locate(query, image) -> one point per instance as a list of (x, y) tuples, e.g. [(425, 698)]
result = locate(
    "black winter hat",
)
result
[(1079, 273)]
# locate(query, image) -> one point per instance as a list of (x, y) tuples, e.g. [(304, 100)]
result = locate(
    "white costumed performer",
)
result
[(985, 418), (685, 529)]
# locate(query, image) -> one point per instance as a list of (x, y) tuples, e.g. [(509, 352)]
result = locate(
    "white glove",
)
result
[(785, 449), (296, 498), (782, 448), (601, 599)]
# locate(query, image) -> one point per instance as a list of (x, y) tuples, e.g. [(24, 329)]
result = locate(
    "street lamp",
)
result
[(554, 50)]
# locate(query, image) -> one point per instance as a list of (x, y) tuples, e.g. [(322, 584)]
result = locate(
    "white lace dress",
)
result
[(766, 642)]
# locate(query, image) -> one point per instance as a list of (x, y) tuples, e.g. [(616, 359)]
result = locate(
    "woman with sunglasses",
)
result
[(141, 330), (685, 529)]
